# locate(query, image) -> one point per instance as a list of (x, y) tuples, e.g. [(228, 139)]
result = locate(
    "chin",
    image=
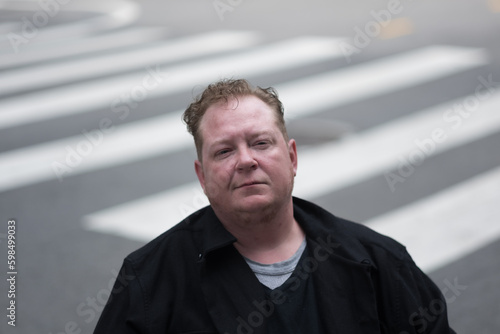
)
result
[(255, 203)]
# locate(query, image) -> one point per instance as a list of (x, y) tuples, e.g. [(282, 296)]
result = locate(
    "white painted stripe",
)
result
[(109, 15), (33, 164), (152, 215), (120, 145), (338, 164), (88, 96), (442, 228), (379, 77), (37, 77), (322, 170), (34, 53), (8, 26)]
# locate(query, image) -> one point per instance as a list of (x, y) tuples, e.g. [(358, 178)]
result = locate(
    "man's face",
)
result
[(246, 163)]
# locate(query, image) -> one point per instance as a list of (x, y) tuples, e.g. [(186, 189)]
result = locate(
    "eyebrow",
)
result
[(256, 135)]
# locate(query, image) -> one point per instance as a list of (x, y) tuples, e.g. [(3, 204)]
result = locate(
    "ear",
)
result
[(198, 167), (292, 151)]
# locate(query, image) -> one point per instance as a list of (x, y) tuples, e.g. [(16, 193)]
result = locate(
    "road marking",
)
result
[(8, 26), (321, 170), (378, 77), (383, 148), (37, 77), (34, 53), (446, 226), (144, 219), (109, 15), (121, 145), (166, 133), (88, 96)]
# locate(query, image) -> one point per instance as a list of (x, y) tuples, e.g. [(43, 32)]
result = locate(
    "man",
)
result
[(258, 260)]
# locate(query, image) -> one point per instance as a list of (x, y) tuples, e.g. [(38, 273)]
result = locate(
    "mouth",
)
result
[(248, 184)]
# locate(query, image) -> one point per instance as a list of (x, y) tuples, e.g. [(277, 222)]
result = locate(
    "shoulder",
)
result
[(399, 283), (178, 242), (357, 241)]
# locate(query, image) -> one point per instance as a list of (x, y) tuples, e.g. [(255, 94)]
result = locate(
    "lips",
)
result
[(250, 183)]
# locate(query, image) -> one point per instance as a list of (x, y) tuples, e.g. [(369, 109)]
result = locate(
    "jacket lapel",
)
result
[(346, 295), (230, 288), (232, 293), (343, 277)]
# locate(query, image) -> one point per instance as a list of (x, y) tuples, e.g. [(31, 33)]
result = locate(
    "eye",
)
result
[(221, 153), (262, 143)]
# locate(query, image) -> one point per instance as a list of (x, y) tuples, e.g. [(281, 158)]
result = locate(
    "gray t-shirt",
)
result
[(275, 274)]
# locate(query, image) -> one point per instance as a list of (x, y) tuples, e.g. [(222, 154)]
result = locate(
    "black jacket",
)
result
[(191, 279)]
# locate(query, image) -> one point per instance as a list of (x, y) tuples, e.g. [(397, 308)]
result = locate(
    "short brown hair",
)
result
[(224, 90)]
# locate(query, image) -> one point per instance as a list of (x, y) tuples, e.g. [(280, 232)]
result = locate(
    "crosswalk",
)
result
[(49, 84)]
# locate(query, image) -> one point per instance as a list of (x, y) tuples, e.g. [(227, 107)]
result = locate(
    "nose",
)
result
[(246, 160)]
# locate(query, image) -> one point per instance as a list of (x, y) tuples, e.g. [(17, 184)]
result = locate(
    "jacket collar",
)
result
[(349, 240), (318, 224), (212, 235)]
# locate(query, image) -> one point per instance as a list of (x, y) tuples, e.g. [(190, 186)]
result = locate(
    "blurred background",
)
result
[(395, 106)]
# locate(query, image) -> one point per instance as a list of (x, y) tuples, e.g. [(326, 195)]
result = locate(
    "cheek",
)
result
[(216, 181), (284, 175), (279, 165), (211, 190)]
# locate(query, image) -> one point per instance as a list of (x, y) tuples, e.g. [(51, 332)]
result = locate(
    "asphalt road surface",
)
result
[(395, 106)]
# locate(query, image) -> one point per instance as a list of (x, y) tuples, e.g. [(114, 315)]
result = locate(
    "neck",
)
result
[(266, 238)]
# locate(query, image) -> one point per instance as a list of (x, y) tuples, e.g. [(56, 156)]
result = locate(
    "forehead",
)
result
[(237, 114)]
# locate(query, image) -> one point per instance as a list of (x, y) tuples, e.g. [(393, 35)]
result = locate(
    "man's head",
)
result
[(246, 162), (224, 91)]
